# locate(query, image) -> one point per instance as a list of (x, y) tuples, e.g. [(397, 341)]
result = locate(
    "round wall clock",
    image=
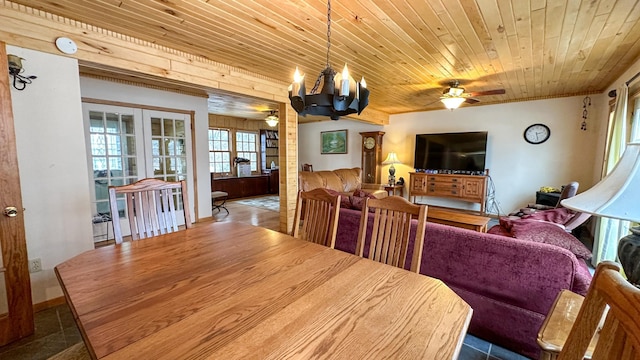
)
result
[(369, 143), (537, 133)]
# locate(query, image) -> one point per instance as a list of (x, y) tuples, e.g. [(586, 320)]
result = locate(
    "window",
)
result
[(247, 147), (219, 151)]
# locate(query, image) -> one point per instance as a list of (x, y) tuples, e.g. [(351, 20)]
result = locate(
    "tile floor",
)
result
[(56, 330)]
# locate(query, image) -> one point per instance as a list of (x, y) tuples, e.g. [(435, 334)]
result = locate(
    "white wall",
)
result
[(106, 90), (53, 166), (309, 144), (517, 168)]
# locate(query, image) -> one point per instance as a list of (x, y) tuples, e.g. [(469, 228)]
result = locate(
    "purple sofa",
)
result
[(510, 284)]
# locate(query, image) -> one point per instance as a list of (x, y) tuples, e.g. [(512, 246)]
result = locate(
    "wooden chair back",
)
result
[(307, 167), (619, 336), (316, 218), (391, 229), (150, 208)]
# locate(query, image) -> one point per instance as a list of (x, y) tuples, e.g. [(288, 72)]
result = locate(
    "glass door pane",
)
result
[(114, 159), (169, 144)]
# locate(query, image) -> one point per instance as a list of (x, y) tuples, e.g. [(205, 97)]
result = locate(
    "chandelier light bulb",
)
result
[(296, 76), (344, 82)]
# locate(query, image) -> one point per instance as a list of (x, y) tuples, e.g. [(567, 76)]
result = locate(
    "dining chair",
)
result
[(607, 324), (316, 217), (151, 207), (391, 230)]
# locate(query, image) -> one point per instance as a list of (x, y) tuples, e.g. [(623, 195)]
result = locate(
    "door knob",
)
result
[(11, 211)]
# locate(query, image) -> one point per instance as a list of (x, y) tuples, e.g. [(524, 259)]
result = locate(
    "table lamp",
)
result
[(616, 196), (390, 160)]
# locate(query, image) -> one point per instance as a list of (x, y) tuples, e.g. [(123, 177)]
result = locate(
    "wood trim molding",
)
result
[(49, 304), (139, 106)]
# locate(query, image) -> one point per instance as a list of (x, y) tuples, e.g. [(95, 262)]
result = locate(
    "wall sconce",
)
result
[(15, 68)]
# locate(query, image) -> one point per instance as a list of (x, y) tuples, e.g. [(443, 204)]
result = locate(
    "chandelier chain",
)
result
[(328, 31), (314, 90)]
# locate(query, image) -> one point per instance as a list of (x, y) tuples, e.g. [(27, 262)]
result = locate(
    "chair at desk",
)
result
[(307, 167), (151, 208), (618, 335), (391, 229), (318, 212)]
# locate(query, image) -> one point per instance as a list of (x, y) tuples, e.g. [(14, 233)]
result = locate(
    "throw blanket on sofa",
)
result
[(542, 227)]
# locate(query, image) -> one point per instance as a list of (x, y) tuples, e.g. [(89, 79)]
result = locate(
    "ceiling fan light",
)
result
[(452, 102), (272, 120)]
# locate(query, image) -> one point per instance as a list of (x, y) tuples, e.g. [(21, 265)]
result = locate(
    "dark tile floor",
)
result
[(56, 330)]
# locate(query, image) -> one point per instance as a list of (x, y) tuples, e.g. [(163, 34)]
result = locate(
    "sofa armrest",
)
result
[(376, 190)]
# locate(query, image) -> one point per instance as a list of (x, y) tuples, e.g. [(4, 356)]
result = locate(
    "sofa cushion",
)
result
[(345, 202), (330, 180), (350, 178), (308, 180), (358, 198)]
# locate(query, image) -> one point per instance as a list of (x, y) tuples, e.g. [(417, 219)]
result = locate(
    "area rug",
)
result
[(270, 202)]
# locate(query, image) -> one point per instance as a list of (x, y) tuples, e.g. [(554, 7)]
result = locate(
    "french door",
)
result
[(126, 144)]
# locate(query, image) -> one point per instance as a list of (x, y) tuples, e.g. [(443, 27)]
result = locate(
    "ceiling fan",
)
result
[(455, 95)]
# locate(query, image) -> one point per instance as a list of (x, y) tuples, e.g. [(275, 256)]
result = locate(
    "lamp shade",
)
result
[(392, 158), (452, 102), (616, 196)]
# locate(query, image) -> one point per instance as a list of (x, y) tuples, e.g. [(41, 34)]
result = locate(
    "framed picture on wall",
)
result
[(333, 142)]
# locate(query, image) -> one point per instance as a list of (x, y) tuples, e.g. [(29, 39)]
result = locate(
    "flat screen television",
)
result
[(462, 152)]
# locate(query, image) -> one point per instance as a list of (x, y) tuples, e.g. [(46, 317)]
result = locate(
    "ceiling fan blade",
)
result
[(471, 100), (488, 92)]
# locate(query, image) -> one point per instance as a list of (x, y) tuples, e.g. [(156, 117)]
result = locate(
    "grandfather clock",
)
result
[(371, 156)]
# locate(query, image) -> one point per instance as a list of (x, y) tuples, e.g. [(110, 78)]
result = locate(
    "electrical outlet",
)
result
[(35, 265)]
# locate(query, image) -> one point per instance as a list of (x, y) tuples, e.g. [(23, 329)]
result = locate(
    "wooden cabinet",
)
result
[(238, 187), (470, 188), (268, 148), (274, 180)]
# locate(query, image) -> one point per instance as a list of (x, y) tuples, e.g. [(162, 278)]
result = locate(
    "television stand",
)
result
[(469, 188)]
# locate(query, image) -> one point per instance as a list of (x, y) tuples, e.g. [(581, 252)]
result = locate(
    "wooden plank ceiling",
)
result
[(407, 50)]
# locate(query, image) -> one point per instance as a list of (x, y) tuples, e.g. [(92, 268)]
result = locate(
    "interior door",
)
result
[(115, 156), (168, 148), (16, 310)]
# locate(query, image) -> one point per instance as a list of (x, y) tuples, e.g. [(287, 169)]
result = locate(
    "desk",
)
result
[(233, 291)]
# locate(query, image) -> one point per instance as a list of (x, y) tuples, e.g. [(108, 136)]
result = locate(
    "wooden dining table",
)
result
[(226, 290)]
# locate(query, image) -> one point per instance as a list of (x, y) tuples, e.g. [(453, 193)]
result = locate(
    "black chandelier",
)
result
[(340, 94)]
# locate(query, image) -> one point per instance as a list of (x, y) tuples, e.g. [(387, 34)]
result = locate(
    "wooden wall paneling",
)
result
[(288, 132), (626, 50), (524, 35), (613, 35), (564, 40)]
